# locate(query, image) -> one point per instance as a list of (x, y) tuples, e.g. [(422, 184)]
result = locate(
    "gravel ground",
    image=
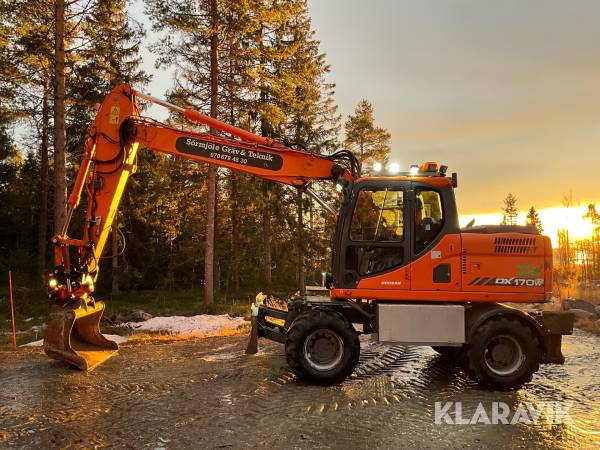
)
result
[(208, 394)]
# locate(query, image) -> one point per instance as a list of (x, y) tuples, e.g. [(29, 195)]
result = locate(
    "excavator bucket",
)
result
[(73, 335)]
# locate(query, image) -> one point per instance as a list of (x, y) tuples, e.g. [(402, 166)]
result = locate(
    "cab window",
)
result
[(429, 218), (378, 216), (376, 232)]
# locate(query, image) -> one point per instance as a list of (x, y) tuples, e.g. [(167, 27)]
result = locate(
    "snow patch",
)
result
[(223, 356), (112, 337), (189, 325)]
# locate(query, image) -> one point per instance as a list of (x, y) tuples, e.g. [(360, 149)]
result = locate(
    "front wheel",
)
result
[(322, 347), (503, 353)]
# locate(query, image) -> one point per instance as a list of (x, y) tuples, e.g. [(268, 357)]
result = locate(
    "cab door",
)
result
[(375, 244), (436, 240)]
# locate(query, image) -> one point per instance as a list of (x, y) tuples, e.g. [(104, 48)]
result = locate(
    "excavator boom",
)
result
[(109, 158)]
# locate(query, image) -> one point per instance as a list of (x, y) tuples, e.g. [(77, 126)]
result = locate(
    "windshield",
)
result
[(378, 215)]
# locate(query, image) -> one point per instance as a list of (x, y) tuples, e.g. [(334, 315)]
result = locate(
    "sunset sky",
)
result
[(505, 93)]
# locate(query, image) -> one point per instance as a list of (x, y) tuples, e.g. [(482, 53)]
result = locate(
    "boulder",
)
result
[(137, 316), (580, 304), (580, 314)]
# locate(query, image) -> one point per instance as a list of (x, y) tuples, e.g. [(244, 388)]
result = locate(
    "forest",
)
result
[(182, 226)]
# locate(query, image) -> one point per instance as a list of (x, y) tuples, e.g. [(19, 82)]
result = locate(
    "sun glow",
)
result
[(552, 219)]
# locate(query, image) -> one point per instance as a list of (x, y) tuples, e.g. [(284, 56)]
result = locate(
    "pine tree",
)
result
[(592, 215), (60, 128), (9, 73), (31, 57), (111, 57), (293, 103), (533, 218), (509, 210), (39, 24), (312, 123), (369, 143), (270, 81), (198, 39)]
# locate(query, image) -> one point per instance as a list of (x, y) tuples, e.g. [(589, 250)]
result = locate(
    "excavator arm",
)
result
[(109, 158)]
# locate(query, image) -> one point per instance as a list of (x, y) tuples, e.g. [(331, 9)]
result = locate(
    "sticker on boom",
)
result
[(229, 153)]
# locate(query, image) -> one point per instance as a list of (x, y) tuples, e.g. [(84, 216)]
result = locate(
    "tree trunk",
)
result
[(265, 131), (211, 203), (300, 241), (266, 226), (235, 234), (60, 137), (115, 257), (235, 210), (311, 224), (43, 186), (362, 152)]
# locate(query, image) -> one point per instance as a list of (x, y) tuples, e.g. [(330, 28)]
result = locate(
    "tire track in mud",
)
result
[(381, 384), (206, 394), (398, 384), (160, 381), (371, 385)]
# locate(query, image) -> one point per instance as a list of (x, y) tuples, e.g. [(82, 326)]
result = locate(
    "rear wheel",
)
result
[(503, 353), (322, 347)]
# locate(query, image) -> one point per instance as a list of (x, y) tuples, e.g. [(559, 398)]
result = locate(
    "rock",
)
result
[(597, 310), (137, 316), (580, 314), (580, 304)]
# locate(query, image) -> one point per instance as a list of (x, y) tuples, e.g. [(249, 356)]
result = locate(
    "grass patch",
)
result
[(180, 303), (32, 306)]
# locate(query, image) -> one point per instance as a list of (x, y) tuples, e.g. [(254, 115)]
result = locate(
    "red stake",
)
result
[(12, 309)]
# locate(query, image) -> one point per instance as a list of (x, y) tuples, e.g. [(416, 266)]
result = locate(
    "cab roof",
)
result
[(428, 173), (441, 181)]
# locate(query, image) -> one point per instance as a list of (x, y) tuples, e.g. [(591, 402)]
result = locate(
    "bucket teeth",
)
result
[(73, 335)]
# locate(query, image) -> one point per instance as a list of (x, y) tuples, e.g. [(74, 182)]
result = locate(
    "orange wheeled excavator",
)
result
[(402, 271)]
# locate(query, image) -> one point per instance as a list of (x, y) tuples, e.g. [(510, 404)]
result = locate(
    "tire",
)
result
[(503, 353), (448, 352), (322, 347)]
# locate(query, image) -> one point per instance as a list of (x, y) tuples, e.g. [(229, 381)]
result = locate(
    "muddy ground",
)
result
[(207, 394)]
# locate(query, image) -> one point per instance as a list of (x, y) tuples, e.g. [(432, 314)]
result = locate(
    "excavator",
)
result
[(403, 271)]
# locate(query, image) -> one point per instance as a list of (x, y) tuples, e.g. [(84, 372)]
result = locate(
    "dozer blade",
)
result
[(252, 347), (73, 335)]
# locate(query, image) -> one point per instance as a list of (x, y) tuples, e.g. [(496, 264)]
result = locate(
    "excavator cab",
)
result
[(386, 223)]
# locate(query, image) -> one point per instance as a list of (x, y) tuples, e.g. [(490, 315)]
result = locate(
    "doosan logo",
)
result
[(500, 413)]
